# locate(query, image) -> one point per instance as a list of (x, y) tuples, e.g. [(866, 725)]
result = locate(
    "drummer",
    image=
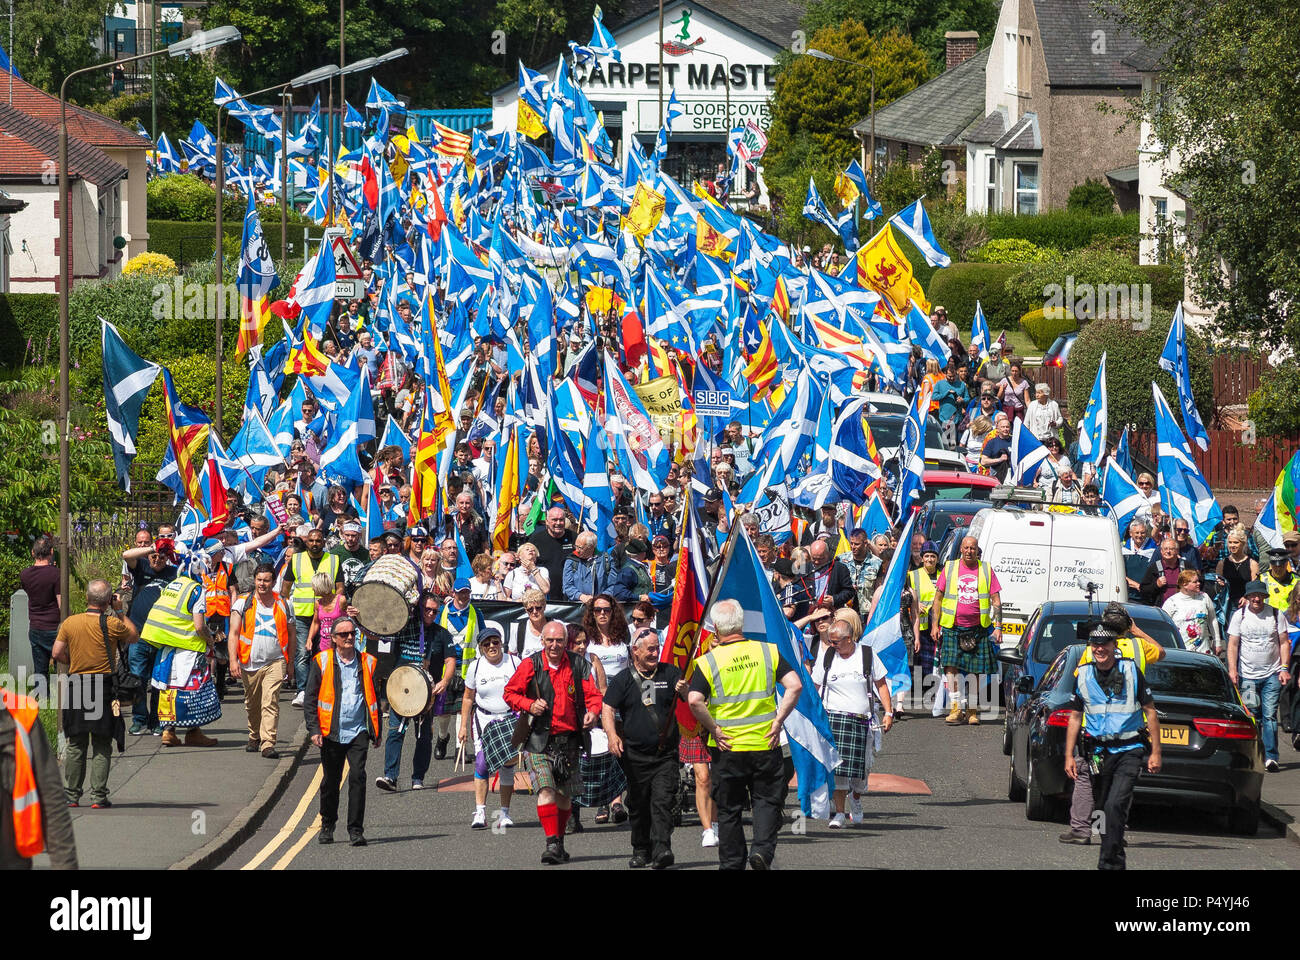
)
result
[(462, 621), (428, 646)]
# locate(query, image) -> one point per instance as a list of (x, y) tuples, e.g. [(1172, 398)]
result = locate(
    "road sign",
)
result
[(347, 289), (712, 403), (347, 272)]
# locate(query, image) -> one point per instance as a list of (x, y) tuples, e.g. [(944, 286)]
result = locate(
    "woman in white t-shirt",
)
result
[(527, 576), (484, 710), (840, 675), (1193, 613), (605, 628), (1259, 654), (530, 637), (602, 776)]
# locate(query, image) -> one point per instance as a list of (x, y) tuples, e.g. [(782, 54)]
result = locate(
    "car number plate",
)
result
[(1012, 629), (1175, 736)]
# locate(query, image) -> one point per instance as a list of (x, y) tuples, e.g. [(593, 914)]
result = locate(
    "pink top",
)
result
[(968, 592), (327, 616)]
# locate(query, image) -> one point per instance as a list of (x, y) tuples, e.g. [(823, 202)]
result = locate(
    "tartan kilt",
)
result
[(693, 750), (983, 659), (494, 741), (542, 771), (853, 740), (602, 780)]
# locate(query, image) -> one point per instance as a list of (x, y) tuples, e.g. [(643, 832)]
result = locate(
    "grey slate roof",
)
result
[(1068, 32), (988, 130), (1146, 58), (937, 111), (773, 20), (1024, 135)]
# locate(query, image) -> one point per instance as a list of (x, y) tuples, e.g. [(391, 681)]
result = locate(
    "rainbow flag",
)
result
[(1285, 501)]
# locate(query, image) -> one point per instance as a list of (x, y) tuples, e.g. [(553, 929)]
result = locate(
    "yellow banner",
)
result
[(646, 210), (709, 241), (529, 122), (662, 401), (883, 268), (846, 190)]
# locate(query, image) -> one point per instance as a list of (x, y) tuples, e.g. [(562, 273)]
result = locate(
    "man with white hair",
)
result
[(733, 695)]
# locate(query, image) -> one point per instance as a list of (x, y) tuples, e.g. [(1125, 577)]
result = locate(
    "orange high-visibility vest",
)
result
[(217, 590), (325, 699), (29, 838), (249, 626)]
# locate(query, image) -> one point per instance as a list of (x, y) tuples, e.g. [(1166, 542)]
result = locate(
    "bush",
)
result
[(1092, 197), (191, 242), (1012, 251), (181, 196), (1043, 330), (958, 288), (1062, 229), (150, 264), (1275, 404), (193, 379), (29, 327), (1049, 281), (15, 556), (1166, 284), (1132, 364)]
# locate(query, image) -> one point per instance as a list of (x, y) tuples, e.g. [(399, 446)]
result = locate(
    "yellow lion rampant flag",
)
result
[(646, 210), (529, 122), (883, 268)]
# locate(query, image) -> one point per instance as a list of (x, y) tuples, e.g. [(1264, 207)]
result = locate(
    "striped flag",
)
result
[(761, 368), (188, 432), (449, 143), (306, 358), (127, 381), (425, 500), (254, 282), (690, 592)]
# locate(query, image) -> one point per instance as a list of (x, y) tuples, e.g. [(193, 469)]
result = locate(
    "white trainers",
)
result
[(837, 822), (709, 838), (855, 808), (417, 784), (503, 819), (480, 819), (299, 700)]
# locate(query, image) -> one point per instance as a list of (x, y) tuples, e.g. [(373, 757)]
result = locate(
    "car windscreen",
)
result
[(1188, 680), (1060, 631), (887, 431)]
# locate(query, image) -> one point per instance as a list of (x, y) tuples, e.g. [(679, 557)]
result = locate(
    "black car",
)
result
[(938, 516), (1051, 629), (1212, 757)]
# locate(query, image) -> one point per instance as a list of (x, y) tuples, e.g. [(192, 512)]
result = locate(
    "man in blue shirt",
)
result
[(952, 396)]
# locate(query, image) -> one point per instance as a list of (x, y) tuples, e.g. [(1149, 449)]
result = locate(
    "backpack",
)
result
[(868, 656)]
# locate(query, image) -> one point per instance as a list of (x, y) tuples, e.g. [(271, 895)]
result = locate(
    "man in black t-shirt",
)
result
[(554, 546), (152, 568), (646, 697), (353, 555)]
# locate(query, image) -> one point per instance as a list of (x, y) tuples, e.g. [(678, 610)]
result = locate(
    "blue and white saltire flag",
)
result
[(169, 475), (790, 432), (564, 457), (979, 331), (884, 630), (127, 380), (374, 518), (1174, 360), (1124, 496), (393, 436), (598, 498), (602, 42), (852, 466), (1266, 524), (1121, 453), (256, 451), (316, 298), (846, 226), (266, 376), (855, 173), (1027, 455), (673, 110), (911, 451), (913, 221), (641, 452), (1092, 428), (352, 119), (815, 490), (338, 461), (168, 160), (378, 97), (812, 747), (815, 210), (1184, 492), (926, 337), (876, 519)]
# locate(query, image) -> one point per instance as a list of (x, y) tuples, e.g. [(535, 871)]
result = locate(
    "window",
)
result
[(991, 202), (1161, 228), (1026, 188), (1009, 68)]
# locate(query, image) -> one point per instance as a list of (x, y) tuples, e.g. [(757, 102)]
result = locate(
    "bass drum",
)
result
[(410, 690), (386, 596)]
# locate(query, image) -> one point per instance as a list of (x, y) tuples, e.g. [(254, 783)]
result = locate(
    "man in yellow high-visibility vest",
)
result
[(968, 602), (733, 695)]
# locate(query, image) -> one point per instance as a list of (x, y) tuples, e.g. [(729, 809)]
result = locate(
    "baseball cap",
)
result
[(461, 583), (1291, 536), (995, 348), (661, 539), (784, 567), (621, 511), (713, 496), (1256, 587), (417, 532), (351, 527)]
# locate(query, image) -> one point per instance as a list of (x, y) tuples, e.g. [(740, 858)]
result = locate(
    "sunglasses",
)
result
[(637, 618), (509, 566), (489, 644), (602, 609), (343, 633), (535, 608)]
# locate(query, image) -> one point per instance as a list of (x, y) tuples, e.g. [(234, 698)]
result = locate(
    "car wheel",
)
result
[(1244, 820), (1037, 806), (1015, 789)]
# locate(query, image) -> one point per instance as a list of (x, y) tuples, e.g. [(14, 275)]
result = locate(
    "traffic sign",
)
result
[(347, 272), (347, 289)]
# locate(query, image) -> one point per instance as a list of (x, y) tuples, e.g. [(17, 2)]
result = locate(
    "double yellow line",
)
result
[(288, 829)]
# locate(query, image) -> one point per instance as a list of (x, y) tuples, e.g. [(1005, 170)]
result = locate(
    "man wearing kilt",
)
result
[(846, 675), (557, 689), (484, 710), (969, 603)]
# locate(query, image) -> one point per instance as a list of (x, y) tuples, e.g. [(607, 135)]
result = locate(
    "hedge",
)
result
[(190, 242), (29, 326), (1044, 330), (958, 287), (1062, 229)]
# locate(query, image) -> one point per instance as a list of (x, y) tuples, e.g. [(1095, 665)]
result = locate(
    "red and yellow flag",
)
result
[(188, 436), (883, 268), (307, 358)]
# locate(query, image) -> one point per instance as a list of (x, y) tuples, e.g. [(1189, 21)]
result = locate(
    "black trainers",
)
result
[(663, 861), (1071, 837), (574, 825), (756, 862), (326, 835), (357, 840), (440, 748), (553, 854), (638, 860)]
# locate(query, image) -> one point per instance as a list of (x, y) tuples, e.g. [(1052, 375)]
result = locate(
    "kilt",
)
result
[(541, 768), (853, 740), (494, 741), (693, 750), (602, 780), (983, 659)]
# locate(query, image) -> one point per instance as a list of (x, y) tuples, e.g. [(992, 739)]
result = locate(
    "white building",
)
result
[(715, 56)]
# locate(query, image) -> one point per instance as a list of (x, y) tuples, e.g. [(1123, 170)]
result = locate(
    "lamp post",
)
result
[(823, 55), (726, 90), (198, 42), (369, 63)]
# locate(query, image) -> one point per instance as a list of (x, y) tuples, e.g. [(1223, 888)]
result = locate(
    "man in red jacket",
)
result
[(556, 687)]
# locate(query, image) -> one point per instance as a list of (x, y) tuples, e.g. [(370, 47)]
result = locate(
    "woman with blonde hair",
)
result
[(329, 607), (527, 576)]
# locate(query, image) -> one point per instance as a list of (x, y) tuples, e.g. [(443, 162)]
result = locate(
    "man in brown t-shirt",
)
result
[(88, 718)]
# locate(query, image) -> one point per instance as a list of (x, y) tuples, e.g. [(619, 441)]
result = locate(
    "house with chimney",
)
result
[(936, 115), (1052, 68)]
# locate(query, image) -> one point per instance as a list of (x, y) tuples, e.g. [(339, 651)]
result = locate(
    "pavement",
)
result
[(187, 807), (217, 807)]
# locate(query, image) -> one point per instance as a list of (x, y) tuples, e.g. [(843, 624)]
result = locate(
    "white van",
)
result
[(1042, 551)]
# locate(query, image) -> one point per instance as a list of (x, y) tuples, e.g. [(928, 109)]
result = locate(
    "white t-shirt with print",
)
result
[(847, 690), (488, 681), (1257, 657)]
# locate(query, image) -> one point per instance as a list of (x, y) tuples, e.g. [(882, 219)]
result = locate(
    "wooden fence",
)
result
[(1229, 464), (1236, 377)]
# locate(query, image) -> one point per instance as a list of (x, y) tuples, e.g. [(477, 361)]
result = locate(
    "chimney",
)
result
[(960, 46)]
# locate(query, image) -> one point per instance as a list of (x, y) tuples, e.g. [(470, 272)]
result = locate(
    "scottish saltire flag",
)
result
[(812, 747), (911, 449), (256, 451), (314, 292), (979, 331), (790, 432), (127, 380), (875, 520), (597, 512), (1027, 455), (564, 456), (166, 158), (926, 337), (338, 461), (602, 42), (1184, 492), (913, 221), (378, 98), (815, 210), (1124, 496), (854, 462), (1121, 453), (254, 282), (636, 440), (352, 119), (1174, 360), (393, 436), (815, 490), (1092, 428), (673, 109), (846, 227), (884, 630), (1266, 524), (858, 177), (7, 65)]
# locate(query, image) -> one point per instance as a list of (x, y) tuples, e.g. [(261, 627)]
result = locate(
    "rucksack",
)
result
[(868, 656)]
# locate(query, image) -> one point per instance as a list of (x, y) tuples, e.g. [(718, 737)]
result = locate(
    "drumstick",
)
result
[(460, 757)]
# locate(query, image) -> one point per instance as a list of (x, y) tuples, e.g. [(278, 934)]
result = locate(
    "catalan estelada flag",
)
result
[(756, 344), (188, 433), (306, 358), (424, 465), (781, 299), (448, 142)]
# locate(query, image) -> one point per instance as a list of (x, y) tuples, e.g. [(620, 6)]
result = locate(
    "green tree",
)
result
[(52, 38), (925, 21), (1228, 85)]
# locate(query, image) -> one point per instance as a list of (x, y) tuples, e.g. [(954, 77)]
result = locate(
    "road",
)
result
[(955, 814)]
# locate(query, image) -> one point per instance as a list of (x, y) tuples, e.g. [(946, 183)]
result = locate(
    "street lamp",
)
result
[(726, 88), (369, 63), (823, 55), (312, 77), (199, 42)]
